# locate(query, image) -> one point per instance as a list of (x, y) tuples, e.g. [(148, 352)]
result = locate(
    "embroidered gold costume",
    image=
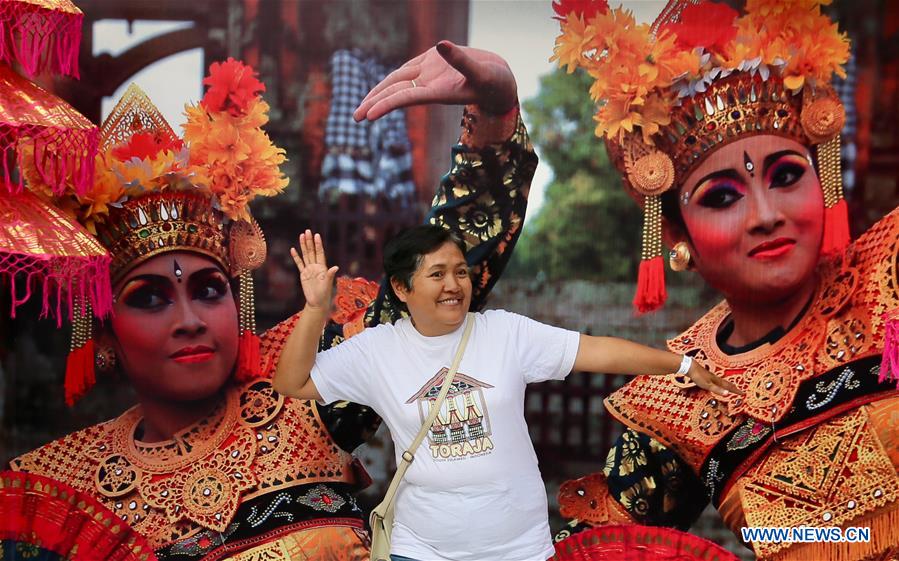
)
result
[(253, 450), (813, 441)]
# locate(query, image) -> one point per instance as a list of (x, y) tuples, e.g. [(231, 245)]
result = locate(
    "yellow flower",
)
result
[(672, 61), (223, 145), (257, 114), (198, 124), (615, 118), (819, 52), (656, 113), (572, 43)]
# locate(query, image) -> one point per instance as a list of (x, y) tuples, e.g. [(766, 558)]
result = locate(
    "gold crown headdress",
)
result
[(700, 77), (155, 192)]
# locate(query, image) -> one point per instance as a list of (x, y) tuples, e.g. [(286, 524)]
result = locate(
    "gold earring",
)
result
[(679, 257)]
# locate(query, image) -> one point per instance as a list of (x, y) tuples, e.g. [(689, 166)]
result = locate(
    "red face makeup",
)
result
[(754, 212), (175, 327)]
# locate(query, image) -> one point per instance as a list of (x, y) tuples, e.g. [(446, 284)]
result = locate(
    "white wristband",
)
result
[(685, 365)]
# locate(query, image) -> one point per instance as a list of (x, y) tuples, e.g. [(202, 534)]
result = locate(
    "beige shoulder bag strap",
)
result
[(381, 518)]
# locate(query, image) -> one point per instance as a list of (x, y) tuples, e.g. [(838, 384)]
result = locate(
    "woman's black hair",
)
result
[(404, 253)]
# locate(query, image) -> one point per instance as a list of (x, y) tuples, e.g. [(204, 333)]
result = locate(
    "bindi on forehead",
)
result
[(177, 270), (748, 164)]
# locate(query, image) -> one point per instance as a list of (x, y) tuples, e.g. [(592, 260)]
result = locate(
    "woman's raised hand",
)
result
[(316, 278), (448, 74)]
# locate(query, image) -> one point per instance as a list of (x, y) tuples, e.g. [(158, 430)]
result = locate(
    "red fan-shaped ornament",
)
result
[(638, 543), (41, 518)]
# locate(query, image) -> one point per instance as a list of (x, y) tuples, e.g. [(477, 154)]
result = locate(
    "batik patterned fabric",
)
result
[(812, 443), (366, 158)]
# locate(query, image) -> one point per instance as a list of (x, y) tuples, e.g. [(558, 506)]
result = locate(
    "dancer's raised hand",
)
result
[(448, 74)]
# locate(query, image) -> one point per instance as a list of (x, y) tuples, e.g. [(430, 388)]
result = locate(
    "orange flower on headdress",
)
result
[(708, 25), (585, 9), (232, 86), (616, 117), (572, 43), (767, 9), (234, 156), (819, 52), (656, 113), (639, 75)]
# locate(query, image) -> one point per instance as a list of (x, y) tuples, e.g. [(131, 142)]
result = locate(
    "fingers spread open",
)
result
[(296, 259), (308, 252), (319, 250)]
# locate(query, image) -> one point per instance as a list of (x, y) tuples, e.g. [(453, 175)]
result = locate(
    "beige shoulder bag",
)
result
[(381, 518)]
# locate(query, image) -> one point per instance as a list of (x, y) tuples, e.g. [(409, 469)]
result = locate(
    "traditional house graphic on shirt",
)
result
[(462, 426)]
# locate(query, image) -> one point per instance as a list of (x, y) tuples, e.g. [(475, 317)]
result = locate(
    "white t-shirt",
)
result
[(474, 491)]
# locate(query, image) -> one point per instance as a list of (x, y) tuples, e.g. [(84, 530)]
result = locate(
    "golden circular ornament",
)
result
[(259, 403), (207, 491), (651, 174), (247, 246), (115, 476), (838, 293), (823, 118)]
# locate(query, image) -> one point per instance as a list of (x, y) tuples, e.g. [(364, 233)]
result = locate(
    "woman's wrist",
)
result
[(685, 364), (315, 312)]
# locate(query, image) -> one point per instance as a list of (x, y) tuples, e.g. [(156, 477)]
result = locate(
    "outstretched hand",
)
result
[(316, 278), (448, 74), (710, 382)]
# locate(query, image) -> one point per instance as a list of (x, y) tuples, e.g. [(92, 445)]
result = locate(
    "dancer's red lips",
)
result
[(198, 353), (772, 248)]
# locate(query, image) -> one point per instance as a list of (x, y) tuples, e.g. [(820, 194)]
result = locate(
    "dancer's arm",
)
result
[(483, 198)]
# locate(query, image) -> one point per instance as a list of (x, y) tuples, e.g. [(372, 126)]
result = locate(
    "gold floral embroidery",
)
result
[(481, 221), (673, 475), (209, 493), (636, 498), (632, 454)]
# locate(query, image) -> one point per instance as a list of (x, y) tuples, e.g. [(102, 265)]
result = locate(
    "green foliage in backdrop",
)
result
[(588, 227)]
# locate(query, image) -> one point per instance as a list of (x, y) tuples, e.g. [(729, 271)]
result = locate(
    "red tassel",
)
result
[(836, 229), (80, 375), (249, 365), (889, 365), (651, 293)]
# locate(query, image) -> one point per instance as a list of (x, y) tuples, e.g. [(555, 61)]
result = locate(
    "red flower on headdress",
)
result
[(582, 8), (709, 25), (145, 145), (232, 86)]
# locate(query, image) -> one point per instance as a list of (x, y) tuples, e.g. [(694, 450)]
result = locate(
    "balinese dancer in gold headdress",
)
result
[(212, 463), (727, 133)]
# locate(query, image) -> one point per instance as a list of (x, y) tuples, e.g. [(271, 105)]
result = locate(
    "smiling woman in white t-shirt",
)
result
[(474, 491)]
